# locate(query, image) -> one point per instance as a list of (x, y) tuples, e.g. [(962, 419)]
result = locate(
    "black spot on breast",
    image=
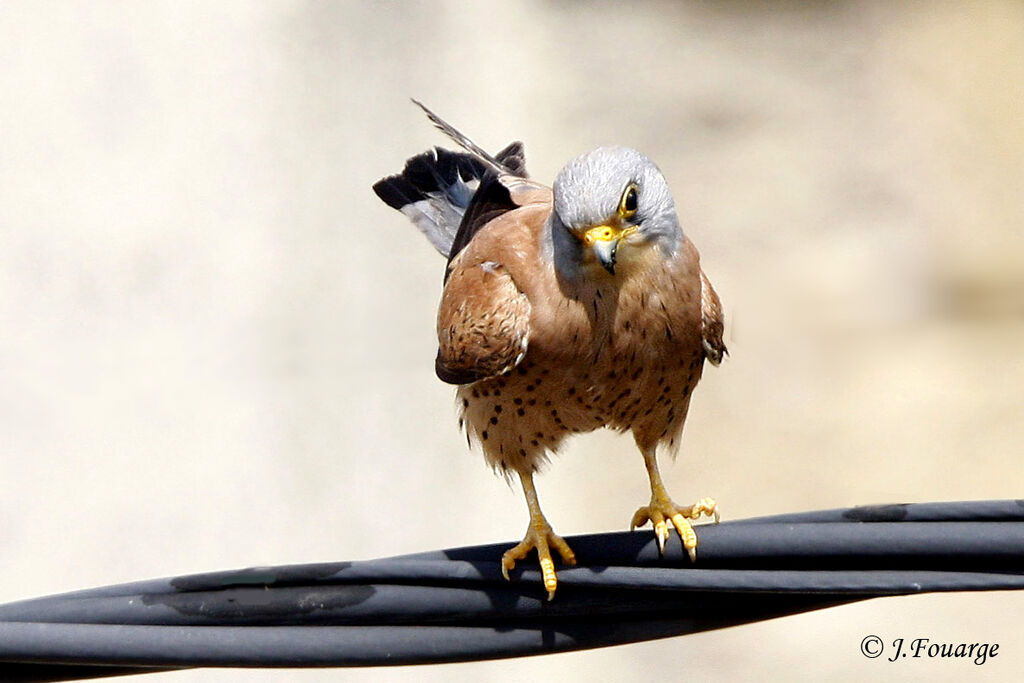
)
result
[(497, 409), (494, 420), (520, 412), (518, 401), (483, 435), (465, 403)]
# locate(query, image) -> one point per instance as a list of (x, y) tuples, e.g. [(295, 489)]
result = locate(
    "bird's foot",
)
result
[(662, 512), (539, 536)]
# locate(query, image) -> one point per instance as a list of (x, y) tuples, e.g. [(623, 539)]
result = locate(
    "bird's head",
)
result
[(612, 213)]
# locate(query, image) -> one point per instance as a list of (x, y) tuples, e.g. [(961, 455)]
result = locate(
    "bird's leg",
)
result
[(538, 537), (662, 508)]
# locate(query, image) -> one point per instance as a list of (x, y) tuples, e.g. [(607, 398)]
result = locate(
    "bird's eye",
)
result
[(627, 204)]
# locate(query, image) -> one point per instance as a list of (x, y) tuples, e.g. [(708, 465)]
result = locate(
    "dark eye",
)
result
[(627, 205)]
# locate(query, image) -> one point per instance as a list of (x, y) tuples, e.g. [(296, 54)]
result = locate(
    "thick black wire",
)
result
[(454, 605)]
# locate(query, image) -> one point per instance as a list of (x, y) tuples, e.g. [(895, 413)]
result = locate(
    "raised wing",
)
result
[(483, 324)]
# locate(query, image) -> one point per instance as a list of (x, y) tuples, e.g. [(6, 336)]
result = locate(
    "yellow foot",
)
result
[(538, 536), (662, 508)]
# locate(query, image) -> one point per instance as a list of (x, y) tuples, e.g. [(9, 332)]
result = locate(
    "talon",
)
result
[(704, 506), (662, 507), (507, 564), (538, 535), (547, 571), (566, 553), (661, 533), (538, 538), (640, 517)]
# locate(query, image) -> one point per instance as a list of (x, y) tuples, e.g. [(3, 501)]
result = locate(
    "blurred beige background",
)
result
[(216, 344)]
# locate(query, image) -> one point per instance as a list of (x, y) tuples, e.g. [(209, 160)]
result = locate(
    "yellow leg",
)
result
[(662, 508), (538, 537)]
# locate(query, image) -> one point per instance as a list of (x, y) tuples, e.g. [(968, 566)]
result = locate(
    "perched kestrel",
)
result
[(564, 310)]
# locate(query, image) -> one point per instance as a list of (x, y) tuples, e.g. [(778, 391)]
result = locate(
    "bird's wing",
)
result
[(483, 324), (712, 321)]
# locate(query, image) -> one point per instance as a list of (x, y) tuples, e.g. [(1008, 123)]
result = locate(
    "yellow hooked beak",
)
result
[(605, 240)]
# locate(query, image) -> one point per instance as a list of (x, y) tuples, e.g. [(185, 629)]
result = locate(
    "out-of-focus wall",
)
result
[(216, 344)]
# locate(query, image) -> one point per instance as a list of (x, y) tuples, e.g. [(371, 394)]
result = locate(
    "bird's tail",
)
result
[(435, 187)]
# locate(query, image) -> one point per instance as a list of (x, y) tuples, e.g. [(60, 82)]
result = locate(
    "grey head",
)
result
[(612, 210)]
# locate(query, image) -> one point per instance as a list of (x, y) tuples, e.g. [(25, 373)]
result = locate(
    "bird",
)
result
[(564, 309)]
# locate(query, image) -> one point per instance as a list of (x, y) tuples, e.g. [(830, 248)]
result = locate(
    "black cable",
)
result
[(454, 605)]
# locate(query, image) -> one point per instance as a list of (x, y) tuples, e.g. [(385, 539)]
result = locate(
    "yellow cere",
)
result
[(600, 233)]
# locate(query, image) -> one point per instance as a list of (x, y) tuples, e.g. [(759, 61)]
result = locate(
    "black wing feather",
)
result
[(490, 200)]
